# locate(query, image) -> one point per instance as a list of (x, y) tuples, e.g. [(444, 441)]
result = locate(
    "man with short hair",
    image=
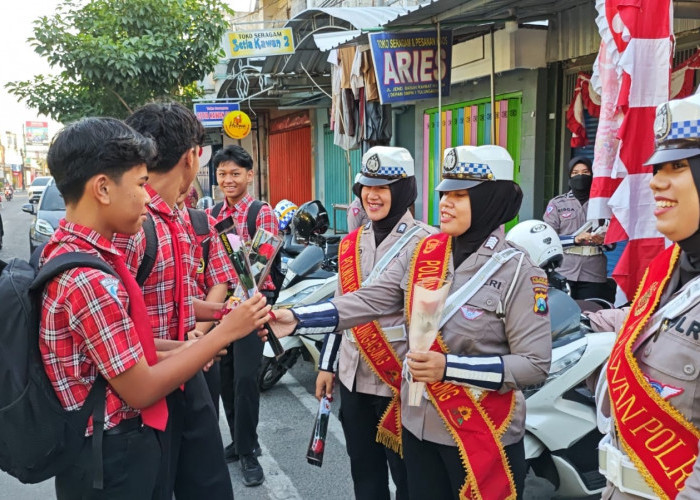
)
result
[(240, 365)]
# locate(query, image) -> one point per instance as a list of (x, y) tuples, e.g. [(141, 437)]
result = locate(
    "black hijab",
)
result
[(580, 185), (690, 257), (492, 204), (403, 195)]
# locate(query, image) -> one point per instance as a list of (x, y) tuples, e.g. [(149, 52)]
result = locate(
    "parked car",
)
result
[(47, 213), (37, 187)]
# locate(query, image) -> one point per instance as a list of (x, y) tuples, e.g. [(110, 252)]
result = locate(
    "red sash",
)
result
[(661, 442), (376, 350), (476, 425)]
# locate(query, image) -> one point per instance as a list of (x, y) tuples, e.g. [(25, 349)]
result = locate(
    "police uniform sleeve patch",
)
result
[(355, 211), (111, 285), (491, 242), (549, 209), (540, 297)]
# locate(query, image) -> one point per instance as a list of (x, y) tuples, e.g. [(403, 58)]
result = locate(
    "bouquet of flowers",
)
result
[(263, 250)]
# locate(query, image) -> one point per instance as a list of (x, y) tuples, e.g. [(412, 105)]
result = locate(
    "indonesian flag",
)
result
[(633, 75)]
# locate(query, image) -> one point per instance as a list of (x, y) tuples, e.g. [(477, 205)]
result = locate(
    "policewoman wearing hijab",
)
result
[(465, 439), (653, 388), (369, 381), (585, 264)]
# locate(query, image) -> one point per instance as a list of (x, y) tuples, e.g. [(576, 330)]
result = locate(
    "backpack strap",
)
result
[(149, 257), (217, 209), (98, 391), (253, 211), (200, 224), (65, 261)]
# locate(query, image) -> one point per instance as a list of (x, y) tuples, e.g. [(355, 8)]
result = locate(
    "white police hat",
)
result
[(676, 130), (464, 167), (382, 165)]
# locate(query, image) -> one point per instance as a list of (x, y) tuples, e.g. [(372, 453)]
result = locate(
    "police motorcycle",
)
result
[(561, 433), (311, 276)]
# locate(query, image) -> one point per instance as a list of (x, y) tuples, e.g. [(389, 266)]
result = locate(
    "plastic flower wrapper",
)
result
[(429, 298), (263, 251), (317, 444), (236, 249)]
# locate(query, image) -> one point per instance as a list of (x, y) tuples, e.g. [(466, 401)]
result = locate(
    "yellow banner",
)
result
[(259, 43)]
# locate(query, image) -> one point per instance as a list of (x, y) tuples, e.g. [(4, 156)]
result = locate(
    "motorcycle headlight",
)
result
[(43, 227), (561, 365), (300, 295)]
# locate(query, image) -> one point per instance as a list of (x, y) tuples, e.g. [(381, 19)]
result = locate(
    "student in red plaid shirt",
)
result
[(239, 367), (93, 323), (214, 277), (194, 465)]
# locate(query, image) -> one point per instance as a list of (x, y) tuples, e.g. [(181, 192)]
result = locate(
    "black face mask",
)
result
[(581, 187)]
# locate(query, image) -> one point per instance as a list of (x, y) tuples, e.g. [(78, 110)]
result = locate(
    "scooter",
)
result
[(8, 194), (561, 433), (311, 277)]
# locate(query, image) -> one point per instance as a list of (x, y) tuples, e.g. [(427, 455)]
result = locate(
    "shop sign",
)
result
[(212, 114), (237, 124), (406, 65), (259, 43)]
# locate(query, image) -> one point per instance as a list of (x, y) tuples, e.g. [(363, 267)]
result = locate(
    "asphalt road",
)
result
[(286, 419)]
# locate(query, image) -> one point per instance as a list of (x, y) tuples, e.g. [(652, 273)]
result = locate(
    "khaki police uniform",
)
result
[(522, 337), (581, 263), (671, 359), (353, 371), (356, 216)]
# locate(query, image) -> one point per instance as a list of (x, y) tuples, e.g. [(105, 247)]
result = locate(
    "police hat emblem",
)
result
[(450, 160), (372, 163), (662, 122)]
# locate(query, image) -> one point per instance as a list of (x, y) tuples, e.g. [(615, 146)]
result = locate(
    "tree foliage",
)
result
[(115, 55)]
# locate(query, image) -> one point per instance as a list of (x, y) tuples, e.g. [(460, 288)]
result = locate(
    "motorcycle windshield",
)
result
[(564, 314), (308, 261)]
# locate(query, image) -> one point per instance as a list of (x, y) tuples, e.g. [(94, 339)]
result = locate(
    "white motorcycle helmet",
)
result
[(540, 241)]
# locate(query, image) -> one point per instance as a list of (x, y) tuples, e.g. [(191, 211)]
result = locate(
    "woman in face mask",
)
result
[(585, 264), (463, 436), (386, 187), (653, 388)]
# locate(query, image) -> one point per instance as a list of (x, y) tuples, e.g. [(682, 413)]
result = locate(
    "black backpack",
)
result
[(38, 438), (200, 224), (276, 273)]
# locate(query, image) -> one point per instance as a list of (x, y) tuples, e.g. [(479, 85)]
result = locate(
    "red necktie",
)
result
[(179, 278), (156, 415)]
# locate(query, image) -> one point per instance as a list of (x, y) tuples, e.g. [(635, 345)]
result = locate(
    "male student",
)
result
[(239, 367), (93, 324), (194, 465), (214, 277)]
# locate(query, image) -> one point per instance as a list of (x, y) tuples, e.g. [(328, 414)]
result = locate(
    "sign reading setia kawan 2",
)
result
[(259, 43), (406, 64)]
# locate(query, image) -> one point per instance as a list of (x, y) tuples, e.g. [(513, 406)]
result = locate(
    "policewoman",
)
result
[(370, 381), (585, 264), (465, 439), (653, 388)]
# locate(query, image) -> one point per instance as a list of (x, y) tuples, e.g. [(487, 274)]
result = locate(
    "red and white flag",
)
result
[(633, 75)]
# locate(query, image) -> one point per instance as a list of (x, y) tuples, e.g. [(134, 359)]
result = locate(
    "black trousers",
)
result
[(213, 379), (193, 464), (360, 414), (436, 471), (239, 391), (130, 463)]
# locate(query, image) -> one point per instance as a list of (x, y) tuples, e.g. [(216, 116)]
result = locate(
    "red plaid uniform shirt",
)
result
[(219, 268), (266, 220), (85, 326), (159, 288)]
